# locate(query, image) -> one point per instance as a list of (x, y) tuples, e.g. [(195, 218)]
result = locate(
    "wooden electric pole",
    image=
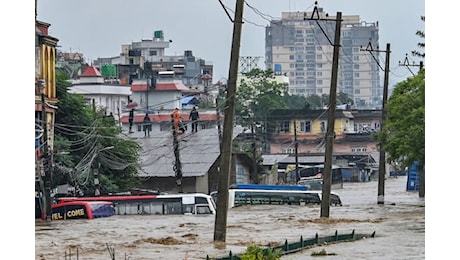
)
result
[(220, 227), (330, 134)]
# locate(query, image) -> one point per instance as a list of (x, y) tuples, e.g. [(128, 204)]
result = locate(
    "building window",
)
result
[(283, 127), (359, 149), (239, 174), (287, 150), (322, 126), (305, 126), (153, 53)]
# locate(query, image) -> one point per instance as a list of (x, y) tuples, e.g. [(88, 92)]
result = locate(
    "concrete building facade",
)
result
[(301, 46)]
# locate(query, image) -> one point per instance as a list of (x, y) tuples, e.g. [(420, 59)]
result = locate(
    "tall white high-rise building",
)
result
[(300, 46)]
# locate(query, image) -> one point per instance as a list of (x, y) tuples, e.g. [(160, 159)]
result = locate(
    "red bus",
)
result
[(82, 210), (164, 204)]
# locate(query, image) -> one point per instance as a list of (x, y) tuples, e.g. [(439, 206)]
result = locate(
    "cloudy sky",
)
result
[(99, 28)]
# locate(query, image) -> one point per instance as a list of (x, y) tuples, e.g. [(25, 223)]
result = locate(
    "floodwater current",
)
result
[(399, 226)]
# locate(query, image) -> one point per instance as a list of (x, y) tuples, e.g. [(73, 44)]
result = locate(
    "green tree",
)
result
[(403, 133), (256, 94), (318, 102), (295, 101), (82, 135), (421, 45), (343, 98)]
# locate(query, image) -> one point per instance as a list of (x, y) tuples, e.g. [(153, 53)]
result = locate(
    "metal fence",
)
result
[(289, 248)]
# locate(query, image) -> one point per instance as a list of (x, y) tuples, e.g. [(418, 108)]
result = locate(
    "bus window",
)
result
[(202, 209)]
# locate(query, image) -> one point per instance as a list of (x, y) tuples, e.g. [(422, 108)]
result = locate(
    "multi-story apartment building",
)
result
[(301, 46), (140, 60)]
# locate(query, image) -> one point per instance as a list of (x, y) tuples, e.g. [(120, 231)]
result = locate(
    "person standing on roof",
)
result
[(131, 119), (177, 121), (194, 116), (147, 125)]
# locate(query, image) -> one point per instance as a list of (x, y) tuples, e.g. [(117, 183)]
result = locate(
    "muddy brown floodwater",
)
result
[(399, 224)]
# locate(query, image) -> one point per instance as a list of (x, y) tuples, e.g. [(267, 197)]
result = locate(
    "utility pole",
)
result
[(330, 134), (296, 146), (254, 150), (219, 127), (177, 164), (382, 159), (97, 188), (407, 64), (226, 154), (46, 157)]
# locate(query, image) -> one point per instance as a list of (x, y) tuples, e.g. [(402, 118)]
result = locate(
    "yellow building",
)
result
[(45, 86)]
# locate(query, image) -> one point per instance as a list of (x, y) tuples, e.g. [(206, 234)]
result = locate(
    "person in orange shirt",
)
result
[(177, 119)]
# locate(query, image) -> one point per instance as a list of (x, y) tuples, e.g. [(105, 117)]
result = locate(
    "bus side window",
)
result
[(202, 210), (312, 199)]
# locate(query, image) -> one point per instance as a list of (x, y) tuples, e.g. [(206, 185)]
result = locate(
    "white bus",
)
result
[(240, 197), (164, 204)]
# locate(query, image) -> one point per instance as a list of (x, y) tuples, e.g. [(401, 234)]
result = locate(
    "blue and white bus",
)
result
[(272, 196)]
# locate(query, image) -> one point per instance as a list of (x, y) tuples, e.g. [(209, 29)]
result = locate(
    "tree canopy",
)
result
[(403, 133), (85, 138)]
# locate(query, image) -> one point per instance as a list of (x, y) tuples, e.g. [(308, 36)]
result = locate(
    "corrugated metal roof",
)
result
[(197, 151)]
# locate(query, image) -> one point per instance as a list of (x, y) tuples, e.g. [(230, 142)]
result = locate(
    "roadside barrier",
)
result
[(289, 248)]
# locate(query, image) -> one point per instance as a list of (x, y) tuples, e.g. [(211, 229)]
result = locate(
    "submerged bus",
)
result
[(165, 204), (82, 210), (240, 197)]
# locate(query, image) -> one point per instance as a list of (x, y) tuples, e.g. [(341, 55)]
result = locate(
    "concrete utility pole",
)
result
[(254, 150), (330, 134), (177, 163), (219, 127), (382, 159), (220, 228), (296, 146), (46, 156)]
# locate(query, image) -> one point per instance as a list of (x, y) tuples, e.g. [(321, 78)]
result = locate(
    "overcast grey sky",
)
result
[(99, 28)]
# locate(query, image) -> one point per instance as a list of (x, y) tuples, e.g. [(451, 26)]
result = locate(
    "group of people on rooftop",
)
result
[(178, 124)]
